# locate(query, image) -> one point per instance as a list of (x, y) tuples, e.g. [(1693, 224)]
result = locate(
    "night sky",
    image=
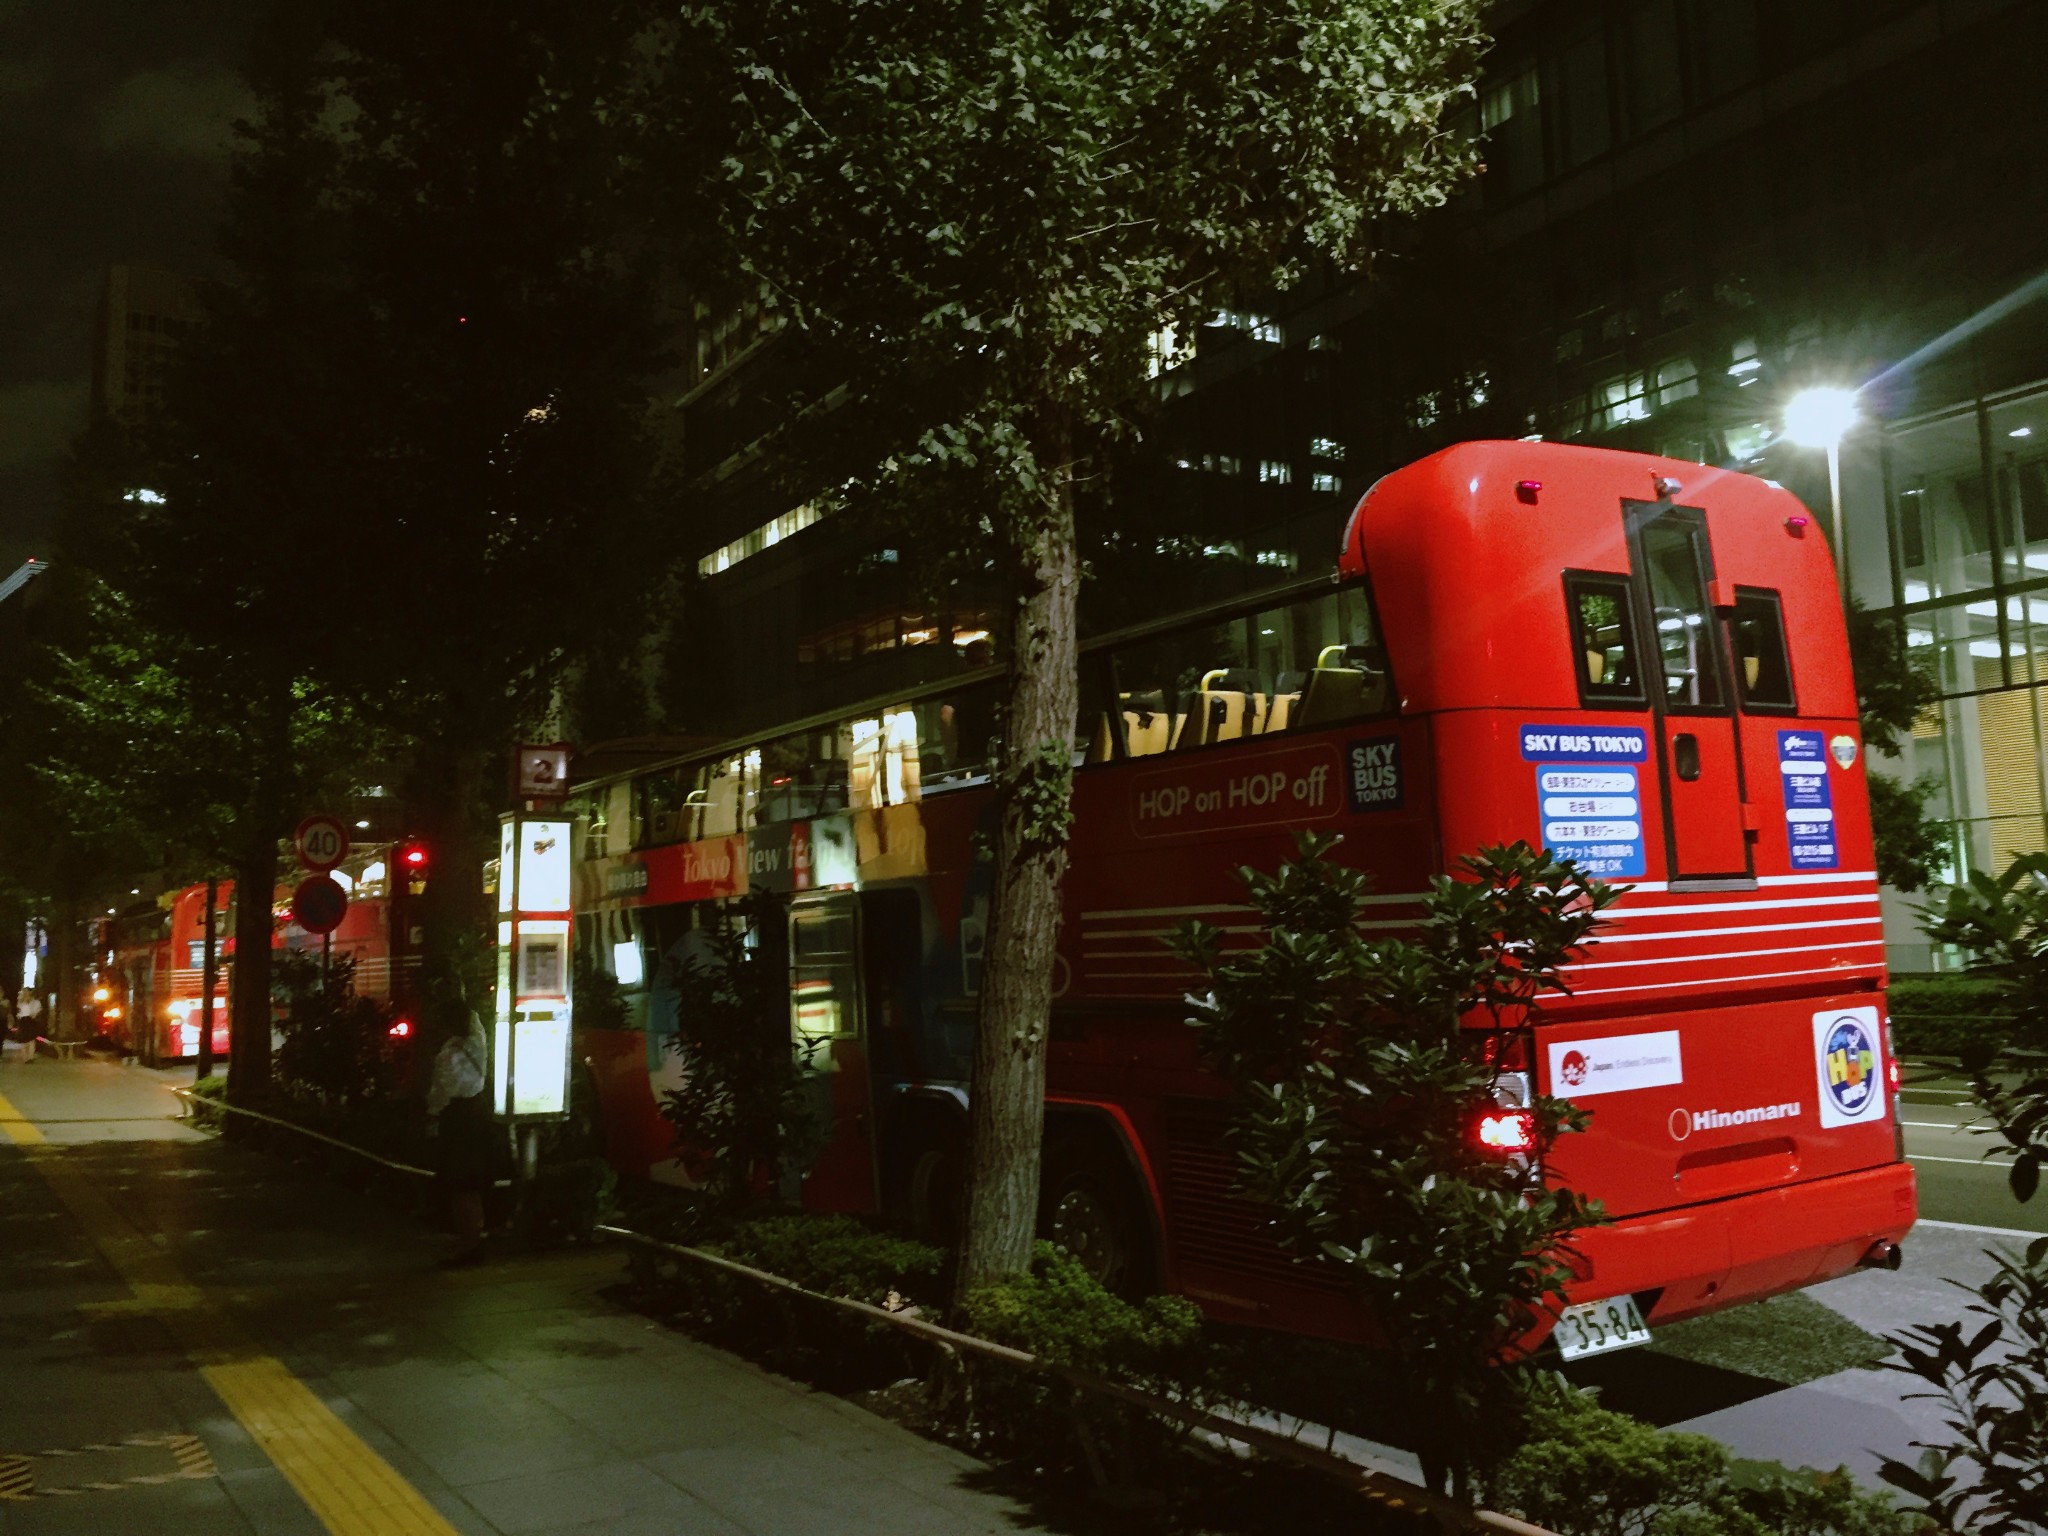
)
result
[(114, 135)]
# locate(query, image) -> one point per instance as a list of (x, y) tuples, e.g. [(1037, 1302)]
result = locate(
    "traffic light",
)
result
[(412, 865)]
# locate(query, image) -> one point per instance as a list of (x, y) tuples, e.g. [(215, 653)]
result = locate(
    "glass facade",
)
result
[(1947, 533)]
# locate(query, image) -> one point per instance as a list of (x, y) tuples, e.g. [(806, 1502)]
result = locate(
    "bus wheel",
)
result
[(938, 1194), (1089, 1208)]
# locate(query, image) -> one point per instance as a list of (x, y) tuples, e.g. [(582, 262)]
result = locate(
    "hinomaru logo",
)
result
[(1685, 1121)]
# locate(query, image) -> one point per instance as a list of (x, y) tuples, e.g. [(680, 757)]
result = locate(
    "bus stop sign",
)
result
[(319, 904)]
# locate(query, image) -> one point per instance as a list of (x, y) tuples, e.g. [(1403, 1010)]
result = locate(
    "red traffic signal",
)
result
[(412, 863)]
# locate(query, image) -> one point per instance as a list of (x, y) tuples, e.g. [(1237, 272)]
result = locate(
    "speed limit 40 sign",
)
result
[(321, 842)]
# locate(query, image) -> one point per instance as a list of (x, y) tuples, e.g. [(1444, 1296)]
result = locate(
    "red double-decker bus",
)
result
[(1638, 662), (158, 962)]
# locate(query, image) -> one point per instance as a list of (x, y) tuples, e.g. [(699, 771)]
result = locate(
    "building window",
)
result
[(1275, 472), (767, 536), (1322, 481), (1581, 117), (1508, 113), (1652, 69), (1326, 448), (1621, 400), (1677, 380)]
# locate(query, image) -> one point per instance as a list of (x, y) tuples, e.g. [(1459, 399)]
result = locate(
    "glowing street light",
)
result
[(1820, 417)]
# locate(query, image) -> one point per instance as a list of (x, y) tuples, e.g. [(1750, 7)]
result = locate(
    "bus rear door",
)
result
[(1698, 756)]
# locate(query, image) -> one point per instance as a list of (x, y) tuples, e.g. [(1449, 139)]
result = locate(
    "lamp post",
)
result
[(1821, 417)]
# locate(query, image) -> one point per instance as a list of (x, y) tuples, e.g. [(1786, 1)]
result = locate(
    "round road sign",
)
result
[(319, 904), (321, 842)]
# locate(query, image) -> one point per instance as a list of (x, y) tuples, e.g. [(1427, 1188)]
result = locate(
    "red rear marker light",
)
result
[(401, 1029), (1526, 491), (1507, 1130), (1796, 526)]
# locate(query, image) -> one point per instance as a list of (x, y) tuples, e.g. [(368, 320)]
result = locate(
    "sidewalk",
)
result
[(147, 1276)]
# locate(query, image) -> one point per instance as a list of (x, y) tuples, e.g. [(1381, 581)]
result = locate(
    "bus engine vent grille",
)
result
[(1209, 1226)]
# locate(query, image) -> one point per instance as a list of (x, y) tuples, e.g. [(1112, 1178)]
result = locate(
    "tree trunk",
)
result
[(454, 920), (249, 1010), (61, 974), (209, 978), (1034, 782)]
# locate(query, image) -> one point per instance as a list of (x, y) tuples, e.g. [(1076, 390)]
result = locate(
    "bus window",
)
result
[(1603, 639), (1189, 688), (823, 975), (661, 797), (882, 762), (956, 736), (724, 804), (1685, 635), (1334, 669), (1097, 727), (1757, 627), (802, 776)]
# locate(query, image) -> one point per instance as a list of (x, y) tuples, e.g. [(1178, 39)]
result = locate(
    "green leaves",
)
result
[(1360, 1073)]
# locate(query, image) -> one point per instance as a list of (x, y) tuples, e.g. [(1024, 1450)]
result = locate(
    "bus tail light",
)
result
[(401, 1029), (1511, 1132)]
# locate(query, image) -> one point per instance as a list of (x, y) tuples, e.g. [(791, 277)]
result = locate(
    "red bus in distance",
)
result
[(1638, 662)]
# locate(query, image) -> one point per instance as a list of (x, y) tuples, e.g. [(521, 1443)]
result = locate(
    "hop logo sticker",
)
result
[(1851, 1066)]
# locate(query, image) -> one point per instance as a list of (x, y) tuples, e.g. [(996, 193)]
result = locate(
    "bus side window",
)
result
[(1337, 656), (956, 736), (1098, 729), (1603, 639), (1763, 666), (1191, 688)]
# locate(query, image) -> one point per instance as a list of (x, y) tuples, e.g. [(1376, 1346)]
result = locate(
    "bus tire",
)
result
[(1090, 1205), (935, 1191)]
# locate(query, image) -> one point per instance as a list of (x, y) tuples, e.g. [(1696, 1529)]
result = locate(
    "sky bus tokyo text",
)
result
[(1510, 624)]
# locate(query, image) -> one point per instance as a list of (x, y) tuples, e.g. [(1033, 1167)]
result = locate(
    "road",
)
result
[(1956, 1183)]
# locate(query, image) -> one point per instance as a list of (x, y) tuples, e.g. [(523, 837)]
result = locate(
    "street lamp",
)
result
[(1821, 417)]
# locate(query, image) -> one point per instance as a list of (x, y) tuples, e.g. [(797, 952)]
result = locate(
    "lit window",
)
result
[(766, 536), (1677, 380), (1323, 481), (1275, 472), (1745, 364), (1326, 448), (1278, 559), (1164, 351), (1622, 400)]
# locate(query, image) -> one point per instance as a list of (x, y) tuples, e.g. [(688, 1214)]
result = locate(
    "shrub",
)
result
[(741, 1111), (1362, 1064), (335, 1048), (1584, 1471), (208, 1094), (1063, 1315), (837, 1256), (1947, 1015)]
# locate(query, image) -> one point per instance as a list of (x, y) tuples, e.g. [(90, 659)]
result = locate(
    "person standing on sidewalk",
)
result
[(462, 1125)]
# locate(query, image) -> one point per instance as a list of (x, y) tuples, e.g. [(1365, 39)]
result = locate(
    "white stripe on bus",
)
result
[(1845, 972), (1625, 914), (1707, 933), (1729, 954)]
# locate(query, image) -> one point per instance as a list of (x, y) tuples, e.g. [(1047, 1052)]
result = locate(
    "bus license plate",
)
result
[(1594, 1327)]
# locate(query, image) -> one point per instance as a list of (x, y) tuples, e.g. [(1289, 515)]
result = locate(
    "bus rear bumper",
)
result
[(1704, 1257)]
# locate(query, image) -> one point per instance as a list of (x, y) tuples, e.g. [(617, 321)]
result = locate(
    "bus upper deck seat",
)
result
[(1218, 713), (1337, 692), (1148, 727)]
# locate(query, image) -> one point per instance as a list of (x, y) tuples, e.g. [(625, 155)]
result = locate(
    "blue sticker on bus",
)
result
[(1593, 816), (1584, 744), (1809, 801), (1372, 774)]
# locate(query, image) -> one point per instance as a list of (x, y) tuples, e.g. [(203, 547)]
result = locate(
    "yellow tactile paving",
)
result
[(349, 1487)]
